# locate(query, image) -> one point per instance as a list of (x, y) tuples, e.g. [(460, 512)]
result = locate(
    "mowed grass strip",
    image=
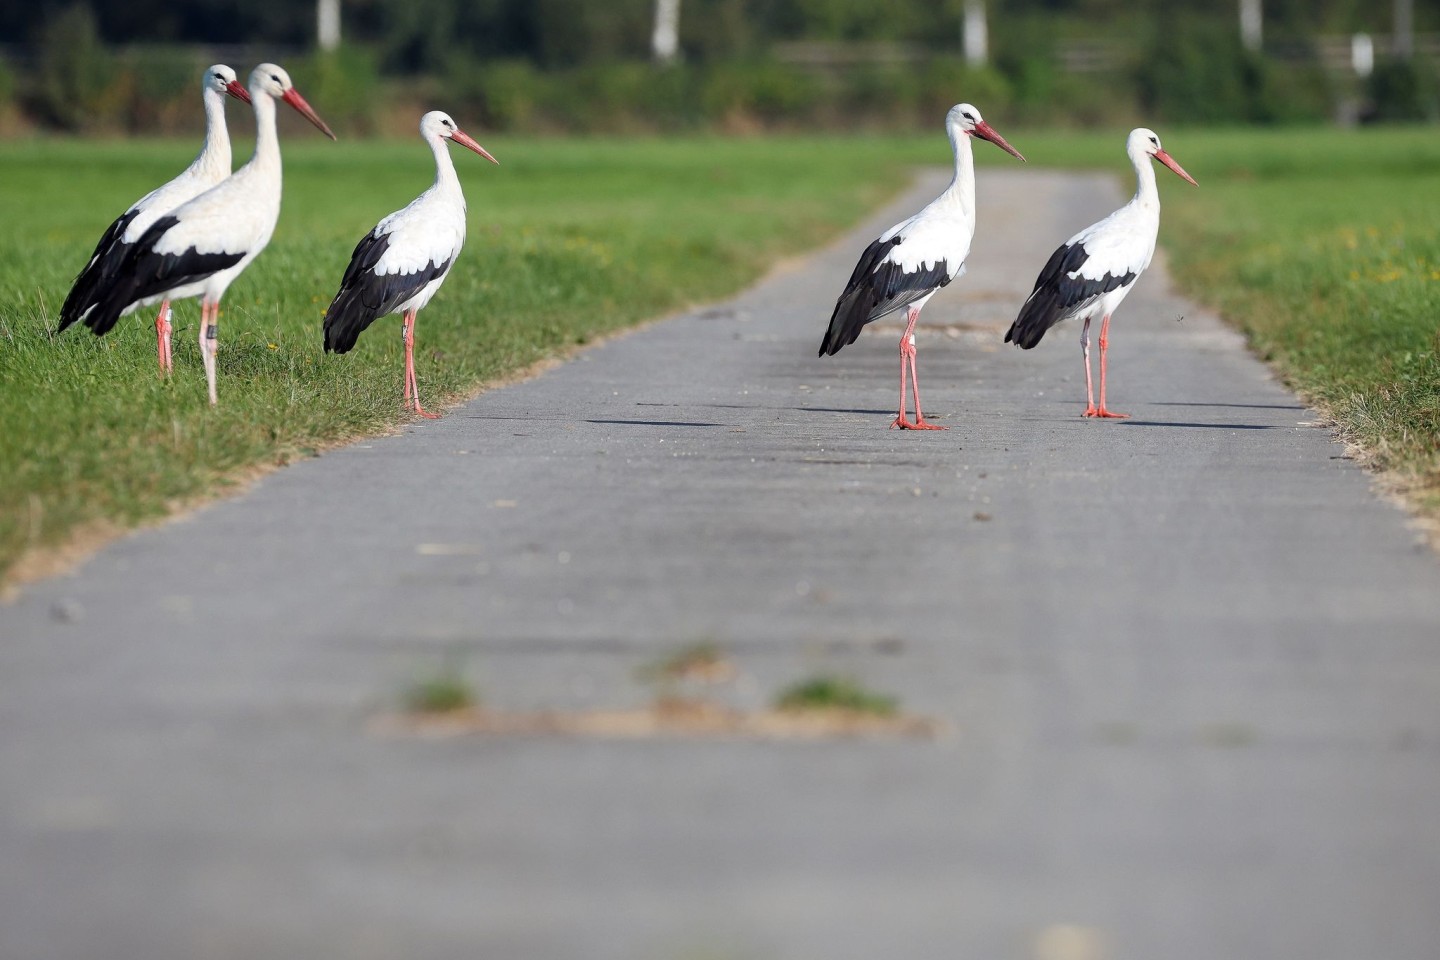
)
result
[(1325, 251), (568, 240)]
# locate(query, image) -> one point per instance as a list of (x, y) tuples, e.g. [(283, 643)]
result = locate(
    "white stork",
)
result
[(915, 258), (398, 266), (197, 249), (1093, 271), (208, 169)]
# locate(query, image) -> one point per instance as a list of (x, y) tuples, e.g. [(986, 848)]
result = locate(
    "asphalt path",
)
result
[(1188, 663)]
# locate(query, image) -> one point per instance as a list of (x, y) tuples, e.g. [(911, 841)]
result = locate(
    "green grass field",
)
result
[(1323, 246)]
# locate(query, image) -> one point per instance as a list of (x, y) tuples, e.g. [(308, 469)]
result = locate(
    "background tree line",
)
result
[(577, 65)]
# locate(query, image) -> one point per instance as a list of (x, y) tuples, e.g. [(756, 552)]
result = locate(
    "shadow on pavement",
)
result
[(1212, 426)]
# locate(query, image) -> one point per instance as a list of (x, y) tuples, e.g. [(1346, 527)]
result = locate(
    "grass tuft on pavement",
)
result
[(830, 692), (444, 691)]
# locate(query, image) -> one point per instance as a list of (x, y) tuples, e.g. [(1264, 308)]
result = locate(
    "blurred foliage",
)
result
[(736, 96), (1401, 90), (7, 85), (345, 81), (414, 34), (73, 71), (1196, 71)]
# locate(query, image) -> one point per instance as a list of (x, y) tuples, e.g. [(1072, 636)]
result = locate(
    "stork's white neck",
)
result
[(446, 179), (265, 161), (961, 191), (213, 161), (1147, 195)]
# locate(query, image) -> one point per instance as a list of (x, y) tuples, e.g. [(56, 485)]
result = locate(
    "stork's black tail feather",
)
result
[(1041, 312), (1062, 290), (101, 267), (1045, 307), (346, 319), (854, 307), (365, 296), (852, 312), (145, 273), (879, 286), (110, 301)]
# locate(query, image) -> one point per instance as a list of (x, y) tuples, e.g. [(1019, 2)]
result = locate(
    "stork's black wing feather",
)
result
[(878, 286), (1057, 295), (109, 254), (365, 296), (145, 273)]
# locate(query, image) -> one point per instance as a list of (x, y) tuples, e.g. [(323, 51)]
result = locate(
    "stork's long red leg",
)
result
[(907, 359), (209, 342), (1104, 345), (920, 422), (412, 389), (900, 420), (1090, 408), (162, 336), (409, 365)]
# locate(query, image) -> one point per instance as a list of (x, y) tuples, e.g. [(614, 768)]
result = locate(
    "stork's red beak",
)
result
[(987, 132), (237, 91), (1169, 161), (292, 97), (465, 140)]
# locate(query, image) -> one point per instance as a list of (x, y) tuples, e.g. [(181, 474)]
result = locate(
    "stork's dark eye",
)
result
[(276, 78), (969, 116), (1154, 141)]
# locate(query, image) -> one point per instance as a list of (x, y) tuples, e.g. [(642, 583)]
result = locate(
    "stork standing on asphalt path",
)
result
[(1092, 272), (207, 170), (915, 258), (398, 266), (199, 248)]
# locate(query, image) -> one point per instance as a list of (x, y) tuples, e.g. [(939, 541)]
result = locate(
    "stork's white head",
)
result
[(1144, 142), (221, 79), (965, 120), (437, 125), (273, 82)]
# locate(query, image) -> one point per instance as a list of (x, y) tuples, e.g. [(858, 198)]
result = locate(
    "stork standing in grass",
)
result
[(207, 170), (915, 258), (199, 248), (1094, 270), (398, 266)]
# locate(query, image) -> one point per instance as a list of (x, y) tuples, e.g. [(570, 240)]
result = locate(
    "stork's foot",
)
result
[(920, 424), (1102, 413), (421, 411)]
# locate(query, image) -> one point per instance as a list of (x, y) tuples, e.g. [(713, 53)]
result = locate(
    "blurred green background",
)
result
[(580, 66)]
